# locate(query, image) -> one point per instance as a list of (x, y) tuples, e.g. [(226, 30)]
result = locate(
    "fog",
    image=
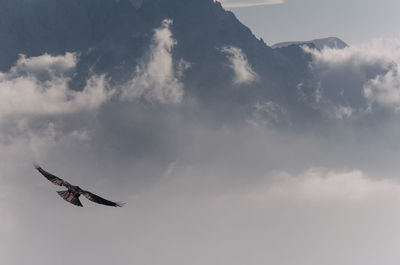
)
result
[(198, 190)]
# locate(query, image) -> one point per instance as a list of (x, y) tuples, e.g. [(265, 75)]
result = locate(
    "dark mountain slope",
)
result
[(112, 36)]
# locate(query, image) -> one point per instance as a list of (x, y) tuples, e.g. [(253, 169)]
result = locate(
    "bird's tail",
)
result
[(70, 197)]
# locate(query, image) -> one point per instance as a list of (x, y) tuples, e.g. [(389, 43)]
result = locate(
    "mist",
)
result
[(199, 189)]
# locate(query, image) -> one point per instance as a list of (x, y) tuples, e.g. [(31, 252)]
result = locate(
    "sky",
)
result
[(201, 190), (353, 21)]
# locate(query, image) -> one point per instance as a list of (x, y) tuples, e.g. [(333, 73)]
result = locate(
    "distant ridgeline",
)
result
[(229, 71), (331, 42)]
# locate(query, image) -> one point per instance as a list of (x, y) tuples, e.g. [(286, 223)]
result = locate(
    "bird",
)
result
[(72, 194)]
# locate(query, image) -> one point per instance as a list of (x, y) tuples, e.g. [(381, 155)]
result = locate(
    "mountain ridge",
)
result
[(329, 42)]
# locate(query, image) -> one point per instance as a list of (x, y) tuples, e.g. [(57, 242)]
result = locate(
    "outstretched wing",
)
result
[(98, 199), (55, 180)]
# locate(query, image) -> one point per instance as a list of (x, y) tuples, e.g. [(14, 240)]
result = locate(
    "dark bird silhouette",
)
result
[(72, 194)]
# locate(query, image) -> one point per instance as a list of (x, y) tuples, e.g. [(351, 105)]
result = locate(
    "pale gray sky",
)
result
[(354, 21)]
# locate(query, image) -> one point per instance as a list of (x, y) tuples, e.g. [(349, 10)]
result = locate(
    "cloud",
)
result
[(311, 186), (358, 77), (343, 112), (230, 194), (157, 79), (266, 113), (40, 86), (241, 3), (303, 215), (322, 185), (385, 88), (43, 67), (225, 184), (238, 62)]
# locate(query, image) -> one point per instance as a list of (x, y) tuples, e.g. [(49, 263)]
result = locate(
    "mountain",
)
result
[(113, 36), (331, 42)]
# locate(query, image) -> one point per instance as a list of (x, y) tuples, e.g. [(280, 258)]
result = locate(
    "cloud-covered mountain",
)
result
[(201, 53), (189, 58), (225, 64)]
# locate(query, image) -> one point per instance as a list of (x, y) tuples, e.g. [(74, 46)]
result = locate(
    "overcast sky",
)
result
[(354, 21)]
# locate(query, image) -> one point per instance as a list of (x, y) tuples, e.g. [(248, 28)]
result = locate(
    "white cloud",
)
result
[(372, 68), (158, 78), (242, 3), (39, 86), (379, 51), (385, 88), (45, 66), (240, 65)]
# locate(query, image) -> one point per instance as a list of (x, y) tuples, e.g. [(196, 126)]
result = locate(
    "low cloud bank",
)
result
[(317, 185)]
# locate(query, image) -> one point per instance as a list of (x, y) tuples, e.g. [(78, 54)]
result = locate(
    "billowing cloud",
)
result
[(43, 67), (157, 78), (246, 3), (356, 77), (240, 65), (40, 86), (385, 88)]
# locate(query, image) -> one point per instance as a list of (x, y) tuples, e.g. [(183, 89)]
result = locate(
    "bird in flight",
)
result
[(72, 194)]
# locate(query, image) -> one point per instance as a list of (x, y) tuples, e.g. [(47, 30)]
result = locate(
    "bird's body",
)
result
[(72, 194)]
